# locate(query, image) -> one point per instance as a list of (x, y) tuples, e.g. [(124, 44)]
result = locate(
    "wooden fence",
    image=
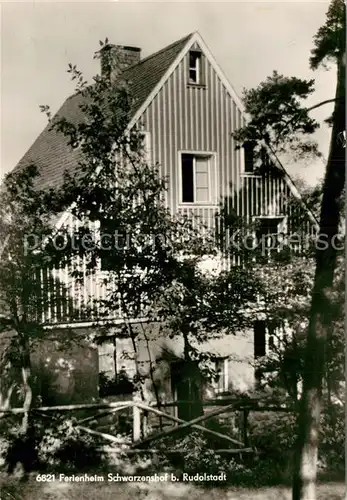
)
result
[(141, 437)]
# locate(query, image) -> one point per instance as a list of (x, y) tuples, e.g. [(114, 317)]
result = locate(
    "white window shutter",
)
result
[(202, 179)]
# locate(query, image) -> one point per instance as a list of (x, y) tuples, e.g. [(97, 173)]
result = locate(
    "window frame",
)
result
[(197, 68), (116, 350), (282, 226), (212, 175), (224, 374), (247, 149)]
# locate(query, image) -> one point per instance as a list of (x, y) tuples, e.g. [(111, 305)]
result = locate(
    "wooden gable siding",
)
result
[(202, 118), (196, 118), (67, 300), (269, 195)]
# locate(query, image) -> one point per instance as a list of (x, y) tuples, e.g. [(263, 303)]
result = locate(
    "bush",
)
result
[(67, 448), (332, 439), (273, 434)]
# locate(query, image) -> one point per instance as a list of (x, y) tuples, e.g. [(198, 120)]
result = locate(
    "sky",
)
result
[(248, 39)]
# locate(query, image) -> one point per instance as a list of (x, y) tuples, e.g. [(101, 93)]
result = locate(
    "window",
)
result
[(197, 178), (195, 67), (272, 327), (111, 240), (248, 149), (116, 367), (259, 339), (107, 364), (267, 234), (221, 383)]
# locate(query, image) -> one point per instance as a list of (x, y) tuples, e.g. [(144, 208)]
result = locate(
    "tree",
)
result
[(329, 45), (287, 306), (278, 120), (25, 213)]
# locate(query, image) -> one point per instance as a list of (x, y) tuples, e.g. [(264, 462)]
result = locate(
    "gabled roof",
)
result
[(53, 156), (146, 74)]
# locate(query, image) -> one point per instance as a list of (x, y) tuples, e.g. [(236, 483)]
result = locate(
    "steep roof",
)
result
[(53, 156), (147, 73)]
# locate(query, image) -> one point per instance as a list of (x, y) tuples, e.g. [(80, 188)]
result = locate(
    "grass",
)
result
[(12, 489)]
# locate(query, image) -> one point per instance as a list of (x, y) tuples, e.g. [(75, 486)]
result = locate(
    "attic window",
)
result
[(194, 67)]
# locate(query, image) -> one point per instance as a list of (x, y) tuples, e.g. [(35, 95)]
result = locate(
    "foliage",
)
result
[(278, 118), (65, 447), (198, 456), (57, 446), (26, 214), (286, 305), (332, 438), (272, 433), (330, 39), (120, 385)]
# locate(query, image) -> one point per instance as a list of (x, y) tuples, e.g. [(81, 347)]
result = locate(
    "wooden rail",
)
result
[(140, 411)]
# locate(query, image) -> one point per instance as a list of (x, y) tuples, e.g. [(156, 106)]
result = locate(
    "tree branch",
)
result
[(322, 103)]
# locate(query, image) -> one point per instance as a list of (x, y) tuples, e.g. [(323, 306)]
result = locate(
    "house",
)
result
[(188, 111)]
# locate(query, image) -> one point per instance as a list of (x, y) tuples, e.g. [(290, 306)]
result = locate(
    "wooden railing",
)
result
[(140, 438)]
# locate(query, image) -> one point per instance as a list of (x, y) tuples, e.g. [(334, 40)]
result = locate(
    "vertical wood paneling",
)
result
[(164, 146)]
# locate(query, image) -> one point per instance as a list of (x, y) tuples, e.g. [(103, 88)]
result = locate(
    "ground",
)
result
[(13, 490)]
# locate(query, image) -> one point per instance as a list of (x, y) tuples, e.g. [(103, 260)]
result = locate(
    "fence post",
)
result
[(136, 420), (144, 423), (245, 422)]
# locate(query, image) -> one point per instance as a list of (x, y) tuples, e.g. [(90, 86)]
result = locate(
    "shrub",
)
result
[(4, 445), (65, 447), (332, 438), (273, 434)]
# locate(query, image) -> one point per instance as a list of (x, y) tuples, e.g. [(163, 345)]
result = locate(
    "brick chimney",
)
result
[(116, 58)]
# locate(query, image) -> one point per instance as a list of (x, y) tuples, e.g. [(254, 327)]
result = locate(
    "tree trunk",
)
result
[(26, 379), (191, 385), (5, 401), (305, 462)]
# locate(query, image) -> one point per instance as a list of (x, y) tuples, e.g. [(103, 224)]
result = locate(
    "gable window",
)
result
[(194, 67), (221, 382), (197, 178)]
